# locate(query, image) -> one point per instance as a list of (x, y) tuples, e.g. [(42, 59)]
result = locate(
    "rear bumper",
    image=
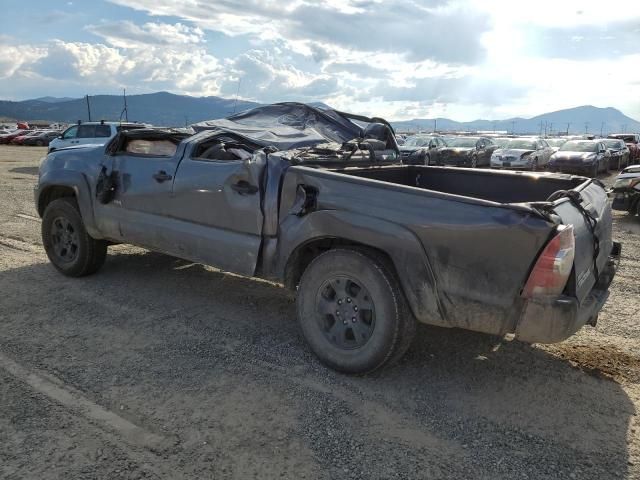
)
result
[(623, 200), (552, 320)]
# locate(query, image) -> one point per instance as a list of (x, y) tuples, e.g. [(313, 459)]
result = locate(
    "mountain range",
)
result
[(167, 109), (583, 119)]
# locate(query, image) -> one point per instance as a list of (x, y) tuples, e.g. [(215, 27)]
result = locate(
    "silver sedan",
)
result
[(523, 153)]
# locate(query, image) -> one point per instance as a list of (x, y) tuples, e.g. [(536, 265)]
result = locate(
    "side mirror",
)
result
[(60, 137)]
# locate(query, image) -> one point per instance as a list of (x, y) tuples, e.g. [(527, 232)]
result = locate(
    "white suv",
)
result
[(90, 133)]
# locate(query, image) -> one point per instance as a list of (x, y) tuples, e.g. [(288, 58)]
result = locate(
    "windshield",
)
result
[(462, 142), (578, 147), (556, 142), (613, 143), (518, 143), (416, 141)]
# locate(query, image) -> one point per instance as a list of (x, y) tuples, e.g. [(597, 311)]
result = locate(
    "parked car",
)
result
[(422, 149), (42, 139), (619, 153), (6, 138), (368, 250), (467, 152), (19, 140), (523, 153), (556, 143), (581, 156), (626, 190), (632, 140), (90, 133)]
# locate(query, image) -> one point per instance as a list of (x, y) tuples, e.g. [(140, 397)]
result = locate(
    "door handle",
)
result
[(244, 188), (162, 176)]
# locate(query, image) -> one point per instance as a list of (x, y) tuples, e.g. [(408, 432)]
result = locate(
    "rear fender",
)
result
[(406, 252)]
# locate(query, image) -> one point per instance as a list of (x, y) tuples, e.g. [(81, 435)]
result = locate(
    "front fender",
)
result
[(79, 184), (409, 258)]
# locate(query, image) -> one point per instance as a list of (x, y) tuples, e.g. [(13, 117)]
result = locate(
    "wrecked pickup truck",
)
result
[(317, 201)]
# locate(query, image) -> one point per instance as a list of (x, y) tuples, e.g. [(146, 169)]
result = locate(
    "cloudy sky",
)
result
[(464, 59)]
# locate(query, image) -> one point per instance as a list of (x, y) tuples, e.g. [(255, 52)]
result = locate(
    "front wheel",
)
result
[(71, 250), (352, 311), (474, 161), (427, 160)]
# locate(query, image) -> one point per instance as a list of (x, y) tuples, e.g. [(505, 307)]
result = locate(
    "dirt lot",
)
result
[(159, 368)]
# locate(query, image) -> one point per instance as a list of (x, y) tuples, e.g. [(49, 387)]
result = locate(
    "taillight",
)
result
[(553, 267)]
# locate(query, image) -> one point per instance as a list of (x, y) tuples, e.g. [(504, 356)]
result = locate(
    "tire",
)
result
[(427, 160), (71, 250), (352, 311), (39, 143), (474, 161), (535, 165)]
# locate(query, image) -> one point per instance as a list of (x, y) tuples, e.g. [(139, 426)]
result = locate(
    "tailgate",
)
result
[(589, 211)]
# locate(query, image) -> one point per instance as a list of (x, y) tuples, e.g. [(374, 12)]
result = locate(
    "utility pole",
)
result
[(235, 103), (550, 128), (601, 128), (124, 112), (568, 124), (541, 127), (435, 125), (186, 121), (88, 107), (586, 127), (513, 127)]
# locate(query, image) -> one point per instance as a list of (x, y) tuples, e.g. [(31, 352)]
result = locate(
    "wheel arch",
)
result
[(304, 238), (56, 185)]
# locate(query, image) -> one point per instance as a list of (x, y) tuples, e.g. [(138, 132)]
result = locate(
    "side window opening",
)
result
[(155, 147), (86, 131), (222, 149), (103, 131)]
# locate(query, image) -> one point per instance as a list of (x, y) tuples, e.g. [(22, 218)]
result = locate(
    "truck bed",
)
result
[(480, 231), (492, 185)]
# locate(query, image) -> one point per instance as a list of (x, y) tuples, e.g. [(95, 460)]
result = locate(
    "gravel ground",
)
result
[(159, 368)]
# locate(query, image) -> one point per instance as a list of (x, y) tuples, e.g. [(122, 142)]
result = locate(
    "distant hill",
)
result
[(55, 99), (160, 108), (609, 119), (167, 109)]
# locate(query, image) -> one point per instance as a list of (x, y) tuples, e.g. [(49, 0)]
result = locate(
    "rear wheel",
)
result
[(71, 250), (427, 160), (352, 311), (474, 161), (39, 143)]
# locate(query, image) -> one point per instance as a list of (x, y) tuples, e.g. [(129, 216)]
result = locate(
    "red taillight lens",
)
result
[(553, 267)]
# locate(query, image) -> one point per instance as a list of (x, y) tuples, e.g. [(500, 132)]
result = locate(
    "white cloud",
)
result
[(397, 58), (127, 34)]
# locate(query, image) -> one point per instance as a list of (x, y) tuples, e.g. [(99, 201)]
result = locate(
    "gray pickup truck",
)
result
[(317, 201)]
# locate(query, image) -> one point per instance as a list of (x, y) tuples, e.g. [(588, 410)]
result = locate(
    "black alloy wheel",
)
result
[(347, 312)]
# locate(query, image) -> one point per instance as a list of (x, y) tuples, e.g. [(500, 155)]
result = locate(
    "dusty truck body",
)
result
[(315, 200)]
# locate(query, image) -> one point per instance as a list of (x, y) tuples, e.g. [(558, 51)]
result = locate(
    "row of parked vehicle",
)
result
[(88, 133), (39, 138), (566, 154)]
